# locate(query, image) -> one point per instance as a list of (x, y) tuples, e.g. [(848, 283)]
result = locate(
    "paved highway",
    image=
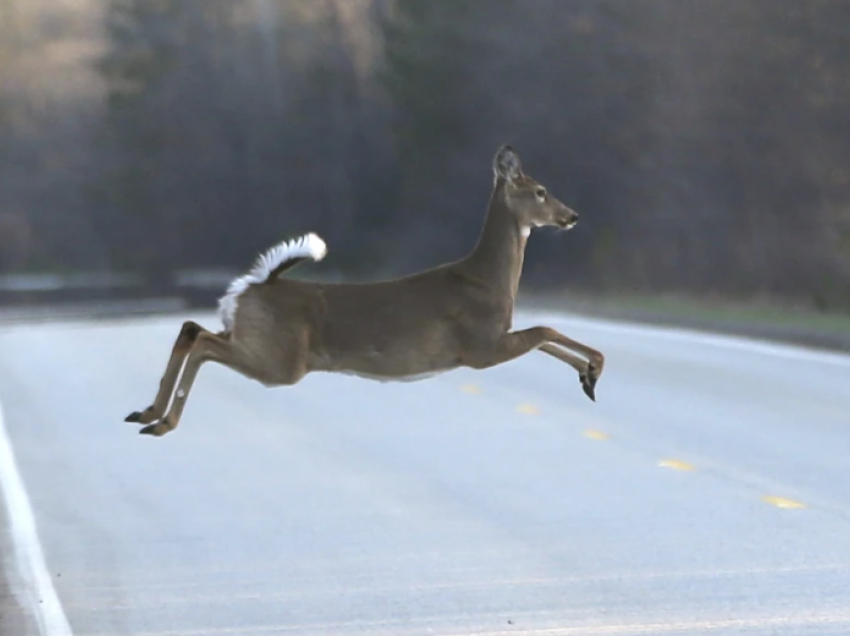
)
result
[(707, 491)]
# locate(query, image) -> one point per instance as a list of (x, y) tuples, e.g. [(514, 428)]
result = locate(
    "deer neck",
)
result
[(496, 261)]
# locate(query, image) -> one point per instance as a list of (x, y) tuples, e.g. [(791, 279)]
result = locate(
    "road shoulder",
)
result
[(14, 621), (776, 325)]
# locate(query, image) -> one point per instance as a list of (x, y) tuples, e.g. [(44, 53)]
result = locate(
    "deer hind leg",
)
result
[(209, 347), (189, 332), (206, 347)]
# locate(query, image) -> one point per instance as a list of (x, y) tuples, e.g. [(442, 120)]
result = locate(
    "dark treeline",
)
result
[(706, 143)]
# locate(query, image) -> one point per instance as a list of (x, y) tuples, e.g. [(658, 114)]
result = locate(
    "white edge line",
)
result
[(683, 334), (34, 590)]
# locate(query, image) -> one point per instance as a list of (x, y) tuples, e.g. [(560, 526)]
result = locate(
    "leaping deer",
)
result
[(277, 330)]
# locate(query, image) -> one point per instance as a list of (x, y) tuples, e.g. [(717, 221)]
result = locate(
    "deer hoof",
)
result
[(588, 384), (157, 430), (142, 417)]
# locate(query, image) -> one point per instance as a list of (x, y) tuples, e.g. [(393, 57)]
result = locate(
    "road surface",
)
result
[(707, 491)]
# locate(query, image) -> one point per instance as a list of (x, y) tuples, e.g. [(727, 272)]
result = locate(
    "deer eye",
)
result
[(540, 193)]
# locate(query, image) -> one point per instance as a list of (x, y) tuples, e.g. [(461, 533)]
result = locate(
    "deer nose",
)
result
[(568, 219)]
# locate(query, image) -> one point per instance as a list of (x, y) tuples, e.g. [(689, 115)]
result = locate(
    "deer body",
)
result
[(459, 314), (354, 329)]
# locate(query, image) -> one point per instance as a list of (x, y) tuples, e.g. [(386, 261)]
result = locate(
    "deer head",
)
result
[(528, 201)]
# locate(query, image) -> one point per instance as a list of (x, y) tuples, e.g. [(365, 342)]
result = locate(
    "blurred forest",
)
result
[(705, 143)]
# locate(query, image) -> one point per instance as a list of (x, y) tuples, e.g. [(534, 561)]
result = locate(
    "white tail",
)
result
[(459, 314), (272, 263)]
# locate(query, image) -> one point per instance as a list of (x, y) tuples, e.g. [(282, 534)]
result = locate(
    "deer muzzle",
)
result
[(567, 219)]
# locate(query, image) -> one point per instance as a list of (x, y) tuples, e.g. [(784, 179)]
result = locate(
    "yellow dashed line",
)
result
[(675, 464), (592, 433), (528, 409), (472, 389), (782, 502)]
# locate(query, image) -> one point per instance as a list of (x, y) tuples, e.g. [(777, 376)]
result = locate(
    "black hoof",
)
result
[(136, 416), (588, 385), (154, 429)]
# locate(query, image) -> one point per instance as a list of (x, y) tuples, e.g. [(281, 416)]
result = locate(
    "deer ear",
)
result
[(506, 163)]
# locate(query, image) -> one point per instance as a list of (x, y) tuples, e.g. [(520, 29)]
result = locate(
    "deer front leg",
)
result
[(518, 343), (588, 374), (509, 347), (189, 332), (595, 360), (579, 364)]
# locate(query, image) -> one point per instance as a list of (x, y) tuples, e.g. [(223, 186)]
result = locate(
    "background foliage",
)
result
[(704, 142)]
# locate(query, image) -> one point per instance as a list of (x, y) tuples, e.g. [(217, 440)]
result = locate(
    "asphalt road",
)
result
[(501, 502)]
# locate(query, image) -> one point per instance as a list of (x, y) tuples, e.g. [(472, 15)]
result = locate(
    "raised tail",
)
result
[(271, 264)]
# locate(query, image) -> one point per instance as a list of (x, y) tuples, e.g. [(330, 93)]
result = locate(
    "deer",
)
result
[(458, 314)]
